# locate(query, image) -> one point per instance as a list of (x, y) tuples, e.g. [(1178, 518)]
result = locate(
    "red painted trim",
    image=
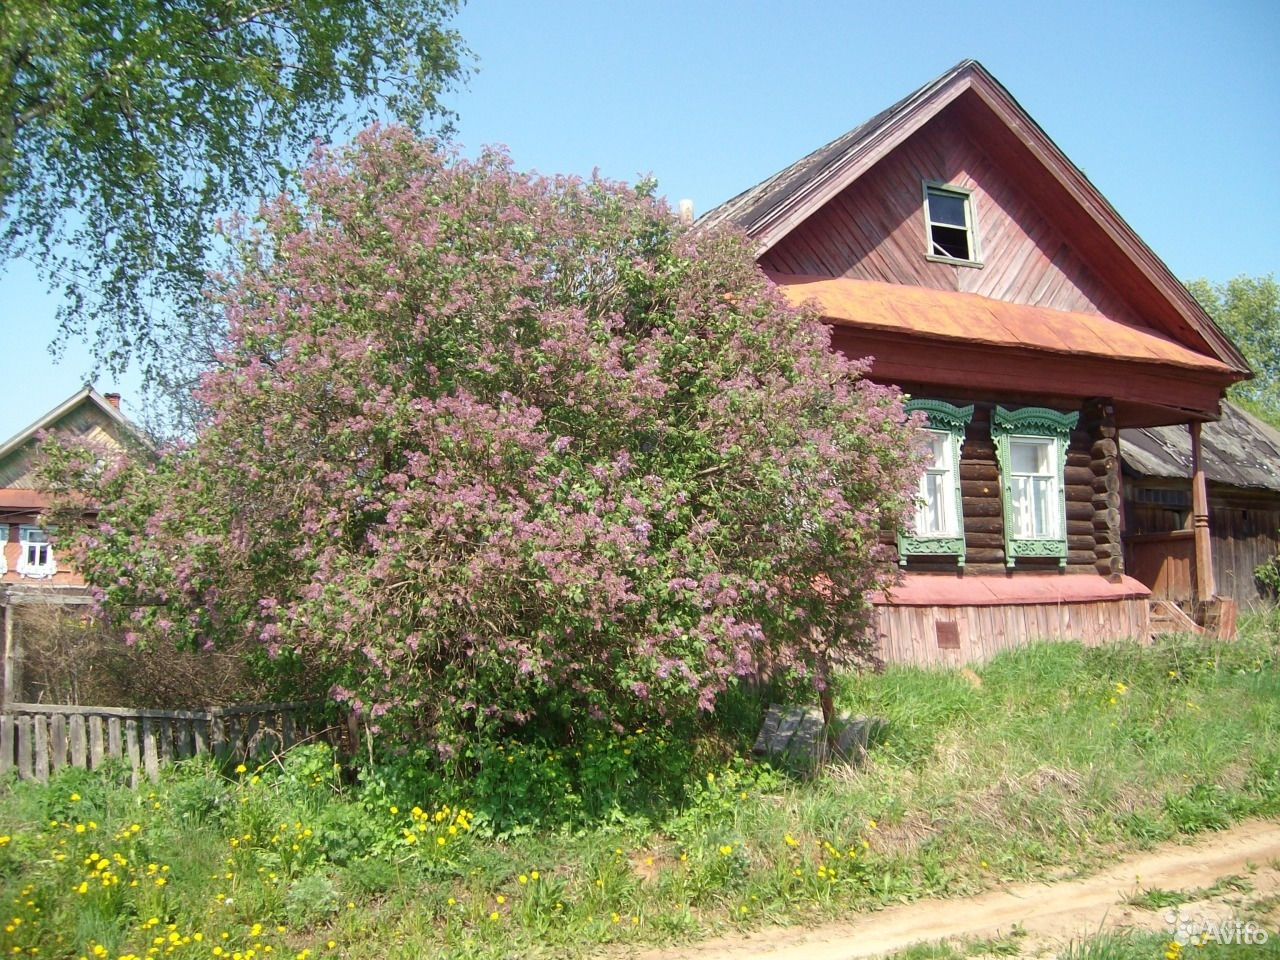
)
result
[(934, 590)]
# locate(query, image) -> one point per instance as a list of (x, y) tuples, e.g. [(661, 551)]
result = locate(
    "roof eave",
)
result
[(85, 393)]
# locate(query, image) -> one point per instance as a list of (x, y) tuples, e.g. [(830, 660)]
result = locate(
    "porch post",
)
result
[(10, 660), (1205, 586)]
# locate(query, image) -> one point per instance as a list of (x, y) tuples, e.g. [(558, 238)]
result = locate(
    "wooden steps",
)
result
[(1167, 617), (1218, 618)]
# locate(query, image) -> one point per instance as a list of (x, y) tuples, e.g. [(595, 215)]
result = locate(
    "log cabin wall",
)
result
[(1091, 484)]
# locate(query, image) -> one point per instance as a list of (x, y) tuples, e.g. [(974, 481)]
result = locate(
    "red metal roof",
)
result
[(19, 498), (967, 317)]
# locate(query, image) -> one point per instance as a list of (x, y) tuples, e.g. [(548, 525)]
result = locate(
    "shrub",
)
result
[(491, 451), (1268, 577)]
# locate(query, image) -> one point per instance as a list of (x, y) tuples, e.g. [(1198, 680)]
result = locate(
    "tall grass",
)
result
[(1046, 761)]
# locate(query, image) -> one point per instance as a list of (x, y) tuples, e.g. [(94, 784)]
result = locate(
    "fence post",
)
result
[(42, 747), (79, 749), (10, 655), (26, 734), (6, 743), (95, 742), (58, 741)]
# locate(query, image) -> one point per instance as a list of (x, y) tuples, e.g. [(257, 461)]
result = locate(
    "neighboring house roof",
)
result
[(773, 208), (1239, 450), (15, 452)]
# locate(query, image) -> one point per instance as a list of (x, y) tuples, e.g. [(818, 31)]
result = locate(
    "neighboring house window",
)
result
[(938, 528), (35, 556), (949, 223), (1031, 448)]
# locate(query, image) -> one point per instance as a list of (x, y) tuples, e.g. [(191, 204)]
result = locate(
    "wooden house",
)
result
[(27, 557), (31, 570), (952, 241), (1242, 472)]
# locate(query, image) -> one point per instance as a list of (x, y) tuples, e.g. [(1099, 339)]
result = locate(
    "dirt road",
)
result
[(1051, 914)]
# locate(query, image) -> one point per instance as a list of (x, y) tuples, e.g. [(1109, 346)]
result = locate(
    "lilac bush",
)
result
[(488, 447)]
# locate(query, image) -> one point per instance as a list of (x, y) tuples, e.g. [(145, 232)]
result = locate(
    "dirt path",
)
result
[(1051, 914)]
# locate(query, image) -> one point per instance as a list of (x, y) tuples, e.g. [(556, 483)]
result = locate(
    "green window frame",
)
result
[(1031, 450), (949, 423)]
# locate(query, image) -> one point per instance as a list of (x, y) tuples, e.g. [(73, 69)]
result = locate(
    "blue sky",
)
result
[(1172, 109)]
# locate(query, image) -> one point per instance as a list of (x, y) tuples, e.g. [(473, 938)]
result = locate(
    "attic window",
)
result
[(948, 214)]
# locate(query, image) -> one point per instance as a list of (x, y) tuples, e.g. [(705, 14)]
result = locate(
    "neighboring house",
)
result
[(1242, 467), (952, 241), (29, 559)]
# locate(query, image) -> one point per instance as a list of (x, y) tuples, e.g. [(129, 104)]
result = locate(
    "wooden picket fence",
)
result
[(37, 739)]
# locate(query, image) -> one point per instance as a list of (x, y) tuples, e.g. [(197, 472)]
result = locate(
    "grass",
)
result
[(1057, 759), (1128, 945)]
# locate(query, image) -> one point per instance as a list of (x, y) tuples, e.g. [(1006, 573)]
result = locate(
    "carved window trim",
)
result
[(1035, 423), (945, 418)]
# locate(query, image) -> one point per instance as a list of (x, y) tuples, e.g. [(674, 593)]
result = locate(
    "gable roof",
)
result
[(1239, 450), (86, 394), (774, 207)]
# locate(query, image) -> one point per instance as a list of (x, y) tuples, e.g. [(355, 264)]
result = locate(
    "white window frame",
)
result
[(970, 225), (1045, 484), (36, 571), (1033, 424), (946, 491)]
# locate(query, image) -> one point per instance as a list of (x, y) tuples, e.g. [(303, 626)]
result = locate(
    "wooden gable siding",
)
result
[(84, 422), (874, 230)]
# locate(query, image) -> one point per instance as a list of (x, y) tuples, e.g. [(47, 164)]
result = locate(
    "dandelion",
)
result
[(524, 879), (74, 798), (791, 841), (495, 916), (726, 850), (241, 768), (501, 899), (535, 875)]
